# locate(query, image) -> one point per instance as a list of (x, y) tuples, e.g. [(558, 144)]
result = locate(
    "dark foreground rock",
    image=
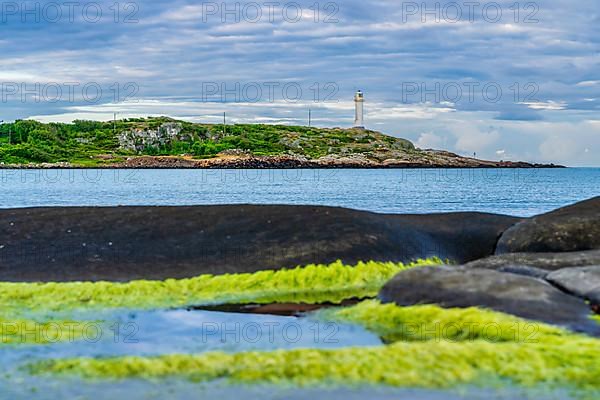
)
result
[(513, 294), (544, 261), (572, 228), (583, 282), (125, 243)]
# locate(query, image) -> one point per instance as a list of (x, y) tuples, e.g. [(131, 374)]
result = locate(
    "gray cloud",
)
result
[(547, 71)]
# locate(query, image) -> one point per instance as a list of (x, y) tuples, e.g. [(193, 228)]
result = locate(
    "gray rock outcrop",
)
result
[(518, 295), (572, 228)]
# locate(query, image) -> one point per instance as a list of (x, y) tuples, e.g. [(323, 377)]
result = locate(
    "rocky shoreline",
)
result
[(544, 268), (511, 304), (435, 159)]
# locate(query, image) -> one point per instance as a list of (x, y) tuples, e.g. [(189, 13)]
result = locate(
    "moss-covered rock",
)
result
[(310, 284), (506, 292), (434, 323)]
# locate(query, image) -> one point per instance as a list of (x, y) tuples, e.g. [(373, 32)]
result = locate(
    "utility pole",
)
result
[(114, 123), (223, 124), (309, 117)]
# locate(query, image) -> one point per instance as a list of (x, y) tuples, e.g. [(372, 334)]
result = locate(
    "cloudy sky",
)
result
[(504, 80)]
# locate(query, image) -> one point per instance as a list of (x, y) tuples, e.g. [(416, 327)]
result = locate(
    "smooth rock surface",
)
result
[(471, 287), (572, 228), (545, 261), (524, 270), (583, 282), (126, 243)]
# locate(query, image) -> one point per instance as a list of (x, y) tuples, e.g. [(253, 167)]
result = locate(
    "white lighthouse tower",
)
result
[(359, 110)]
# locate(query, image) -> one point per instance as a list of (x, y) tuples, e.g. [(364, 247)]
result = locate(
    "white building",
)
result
[(359, 110)]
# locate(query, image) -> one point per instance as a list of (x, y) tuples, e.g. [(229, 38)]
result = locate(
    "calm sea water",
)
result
[(521, 192)]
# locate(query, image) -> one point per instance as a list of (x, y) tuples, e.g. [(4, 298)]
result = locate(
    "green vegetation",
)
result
[(22, 331), (553, 357), (31, 141), (89, 143), (430, 322), (311, 284), (429, 346), (570, 361)]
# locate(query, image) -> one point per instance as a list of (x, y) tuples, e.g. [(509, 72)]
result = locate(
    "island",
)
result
[(163, 142)]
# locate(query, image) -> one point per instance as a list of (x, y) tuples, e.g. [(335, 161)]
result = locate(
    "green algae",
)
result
[(567, 362), (311, 284), (431, 347), (431, 322), (556, 358), (23, 331)]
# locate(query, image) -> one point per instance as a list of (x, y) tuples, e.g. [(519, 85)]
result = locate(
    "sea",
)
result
[(519, 192)]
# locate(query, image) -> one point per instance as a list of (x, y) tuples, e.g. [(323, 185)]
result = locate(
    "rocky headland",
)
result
[(162, 142)]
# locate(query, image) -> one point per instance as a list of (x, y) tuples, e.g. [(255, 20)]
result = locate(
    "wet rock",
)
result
[(126, 243), (544, 261), (458, 237), (510, 293), (572, 228), (583, 282)]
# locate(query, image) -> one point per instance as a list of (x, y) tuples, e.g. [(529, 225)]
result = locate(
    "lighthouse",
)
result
[(359, 100)]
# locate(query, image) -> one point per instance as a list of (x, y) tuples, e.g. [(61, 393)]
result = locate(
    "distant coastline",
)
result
[(161, 142), (278, 162)]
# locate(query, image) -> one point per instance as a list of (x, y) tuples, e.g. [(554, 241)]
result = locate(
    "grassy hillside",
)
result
[(92, 142)]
